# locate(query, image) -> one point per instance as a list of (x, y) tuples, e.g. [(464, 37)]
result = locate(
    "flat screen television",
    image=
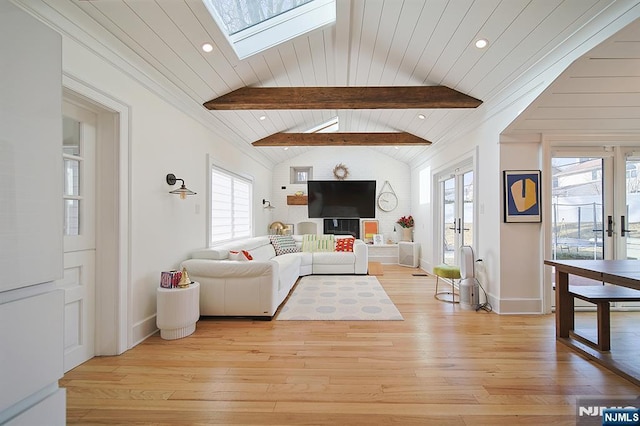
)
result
[(341, 198)]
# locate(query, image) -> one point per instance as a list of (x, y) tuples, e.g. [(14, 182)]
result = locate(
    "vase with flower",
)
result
[(406, 223)]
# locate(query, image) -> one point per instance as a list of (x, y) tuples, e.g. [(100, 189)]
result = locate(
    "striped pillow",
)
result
[(314, 243), (283, 244)]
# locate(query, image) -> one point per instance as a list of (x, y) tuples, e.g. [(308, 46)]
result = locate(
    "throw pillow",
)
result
[(313, 242), (283, 244), (345, 244), (309, 242), (240, 255)]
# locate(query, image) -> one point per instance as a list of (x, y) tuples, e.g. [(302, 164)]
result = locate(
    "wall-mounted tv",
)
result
[(342, 198)]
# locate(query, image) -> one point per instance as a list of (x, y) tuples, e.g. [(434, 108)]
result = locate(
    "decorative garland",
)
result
[(340, 171)]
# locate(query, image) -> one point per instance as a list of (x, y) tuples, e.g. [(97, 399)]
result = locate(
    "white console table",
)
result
[(178, 310), (383, 253)]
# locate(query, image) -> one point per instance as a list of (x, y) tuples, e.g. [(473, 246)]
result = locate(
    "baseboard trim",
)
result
[(143, 329), (518, 306)]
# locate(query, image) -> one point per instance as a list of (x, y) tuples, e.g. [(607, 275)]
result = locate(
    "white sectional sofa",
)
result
[(257, 287)]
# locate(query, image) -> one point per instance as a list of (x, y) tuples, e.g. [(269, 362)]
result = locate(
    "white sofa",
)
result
[(256, 288)]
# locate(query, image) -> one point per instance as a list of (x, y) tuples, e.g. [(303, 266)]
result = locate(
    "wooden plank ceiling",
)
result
[(385, 43)]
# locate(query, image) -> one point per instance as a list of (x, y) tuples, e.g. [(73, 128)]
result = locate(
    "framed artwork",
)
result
[(369, 229), (522, 196), (378, 239), (288, 229)]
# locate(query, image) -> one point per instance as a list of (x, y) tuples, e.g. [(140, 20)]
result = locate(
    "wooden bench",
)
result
[(601, 296)]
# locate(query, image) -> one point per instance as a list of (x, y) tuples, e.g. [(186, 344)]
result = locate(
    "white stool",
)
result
[(178, 311)]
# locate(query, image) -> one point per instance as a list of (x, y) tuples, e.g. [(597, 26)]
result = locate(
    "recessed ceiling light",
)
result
[(396, 147), (421, 116), (263, 117), (286, 148), (482, 43), (207, 47)]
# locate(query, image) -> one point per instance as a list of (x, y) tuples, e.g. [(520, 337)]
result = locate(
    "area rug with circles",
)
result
[(339, 298)]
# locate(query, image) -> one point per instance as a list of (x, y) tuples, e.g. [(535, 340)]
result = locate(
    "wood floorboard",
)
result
[(375, 268), (442, 365)]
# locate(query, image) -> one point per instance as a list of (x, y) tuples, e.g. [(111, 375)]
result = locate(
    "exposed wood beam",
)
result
[(341, 139), (389, 97)]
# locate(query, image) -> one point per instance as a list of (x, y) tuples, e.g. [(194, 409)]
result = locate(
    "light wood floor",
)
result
[(440, 366)]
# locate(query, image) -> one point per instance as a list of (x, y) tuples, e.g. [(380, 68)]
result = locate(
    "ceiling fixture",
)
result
[(421, 116), (329, 126), (183, 191), (263, 117), (207, 47), (482, 43)]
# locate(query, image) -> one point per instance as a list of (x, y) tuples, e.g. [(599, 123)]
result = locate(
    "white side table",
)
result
[(178, 311)]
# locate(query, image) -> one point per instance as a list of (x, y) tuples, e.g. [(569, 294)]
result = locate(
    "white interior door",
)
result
[(78, 283)]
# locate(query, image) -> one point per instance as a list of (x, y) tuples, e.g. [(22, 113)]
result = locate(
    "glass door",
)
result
[(630, 210), (595, 208), (456, 222), (578, 209)]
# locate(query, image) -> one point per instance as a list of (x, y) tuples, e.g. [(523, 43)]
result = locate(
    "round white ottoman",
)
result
[(178, 310)]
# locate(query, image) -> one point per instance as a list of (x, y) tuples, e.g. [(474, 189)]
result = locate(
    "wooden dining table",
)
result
[(625, 273)]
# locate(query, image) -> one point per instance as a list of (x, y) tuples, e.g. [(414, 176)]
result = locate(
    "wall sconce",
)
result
[(183, 191), (267, 204)]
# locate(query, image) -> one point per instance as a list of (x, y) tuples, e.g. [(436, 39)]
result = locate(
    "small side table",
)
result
[(178, 310)]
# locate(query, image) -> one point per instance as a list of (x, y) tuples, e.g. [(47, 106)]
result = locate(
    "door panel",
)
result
[(79, 317), (457, 204), (629, 209), (577, 207), (78, 283), (448, 222)]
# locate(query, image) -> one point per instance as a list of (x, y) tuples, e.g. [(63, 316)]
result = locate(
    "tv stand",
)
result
[(342, 227)]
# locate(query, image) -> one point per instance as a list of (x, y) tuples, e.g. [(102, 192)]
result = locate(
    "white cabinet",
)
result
[(30, 150), (383, 253), (31, 310), (31, 354), (408, 254)]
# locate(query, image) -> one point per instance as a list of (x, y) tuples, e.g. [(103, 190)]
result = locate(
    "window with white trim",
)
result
[(231, 215)]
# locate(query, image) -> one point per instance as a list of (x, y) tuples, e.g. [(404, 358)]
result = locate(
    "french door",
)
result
[(595, 202), (457, 211)]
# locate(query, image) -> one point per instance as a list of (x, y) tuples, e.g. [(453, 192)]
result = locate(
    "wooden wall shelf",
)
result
[(296, 200)]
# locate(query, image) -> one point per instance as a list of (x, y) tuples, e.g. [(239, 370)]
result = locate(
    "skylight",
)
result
[(330, 126), (252, 26)]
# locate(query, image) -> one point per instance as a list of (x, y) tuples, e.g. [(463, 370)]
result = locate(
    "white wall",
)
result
[(163, 228), (482, 144), (521, 243), (363, 164)]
